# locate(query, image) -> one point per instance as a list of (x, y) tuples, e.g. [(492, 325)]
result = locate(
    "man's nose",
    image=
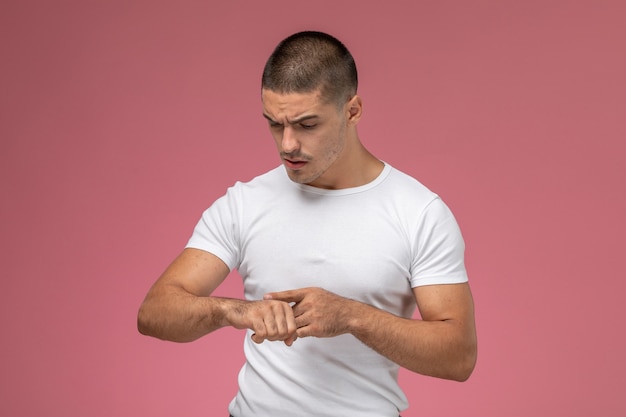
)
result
[(290, 143)]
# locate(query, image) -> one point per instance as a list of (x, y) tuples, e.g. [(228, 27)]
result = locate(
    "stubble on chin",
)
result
[(301, 178)]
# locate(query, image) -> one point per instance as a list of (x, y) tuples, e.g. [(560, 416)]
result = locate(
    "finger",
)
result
[(298, 310), (286, 321), (289, 296), (257, 339), (275, 326), (304, 331), (260, 332), (286, 324), (301, 320), (291, 340)]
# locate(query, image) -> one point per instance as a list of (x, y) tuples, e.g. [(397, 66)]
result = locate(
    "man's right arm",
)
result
[(179, 306)]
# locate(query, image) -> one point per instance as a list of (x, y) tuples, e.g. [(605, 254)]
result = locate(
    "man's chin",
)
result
[(299, 177)]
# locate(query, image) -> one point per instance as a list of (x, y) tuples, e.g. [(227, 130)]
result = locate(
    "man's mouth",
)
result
[(294, 163)]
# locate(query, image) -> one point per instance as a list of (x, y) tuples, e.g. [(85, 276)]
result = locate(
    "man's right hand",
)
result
[(268, 319)]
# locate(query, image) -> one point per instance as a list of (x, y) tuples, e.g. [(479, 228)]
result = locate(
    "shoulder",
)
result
[(274, 179), (407, 189)]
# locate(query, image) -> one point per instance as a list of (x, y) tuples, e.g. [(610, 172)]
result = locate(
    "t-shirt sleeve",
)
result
[(438, 248), (216, 231)]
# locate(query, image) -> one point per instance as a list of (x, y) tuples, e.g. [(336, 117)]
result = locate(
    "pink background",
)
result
[(121, 121)]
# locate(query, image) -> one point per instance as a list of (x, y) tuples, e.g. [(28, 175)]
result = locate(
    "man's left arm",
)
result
[(441, 344)]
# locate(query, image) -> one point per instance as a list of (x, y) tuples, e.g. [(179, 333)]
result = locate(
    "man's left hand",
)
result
[(318, 312)]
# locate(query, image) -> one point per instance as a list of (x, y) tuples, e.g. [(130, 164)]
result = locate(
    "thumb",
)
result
[(257, 339)]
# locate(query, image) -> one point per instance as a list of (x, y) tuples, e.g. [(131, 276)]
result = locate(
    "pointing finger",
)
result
[(289, 296)]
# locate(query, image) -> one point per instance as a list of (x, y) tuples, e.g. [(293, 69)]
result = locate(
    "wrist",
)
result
[(355, 317), (229, 312)]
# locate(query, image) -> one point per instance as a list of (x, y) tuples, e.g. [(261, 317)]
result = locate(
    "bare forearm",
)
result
[(175, 315), (442, 348), (443, 345), (171, 313)]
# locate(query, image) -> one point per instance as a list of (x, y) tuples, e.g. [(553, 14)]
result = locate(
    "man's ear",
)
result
[(354, 108)]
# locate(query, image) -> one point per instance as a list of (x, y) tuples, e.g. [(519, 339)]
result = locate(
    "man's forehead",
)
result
[(291, 105)]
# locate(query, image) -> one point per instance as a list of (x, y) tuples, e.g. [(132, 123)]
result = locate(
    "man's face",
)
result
[(310, 135)]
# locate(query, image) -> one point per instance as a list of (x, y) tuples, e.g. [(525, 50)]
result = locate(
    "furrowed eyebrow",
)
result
[(269, 118), (294, 121), (302, 119)]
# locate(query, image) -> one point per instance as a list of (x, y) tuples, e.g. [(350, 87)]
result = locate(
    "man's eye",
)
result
[(307, 126)]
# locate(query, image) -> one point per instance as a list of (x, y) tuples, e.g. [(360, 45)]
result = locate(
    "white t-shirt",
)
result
[(371, 243)]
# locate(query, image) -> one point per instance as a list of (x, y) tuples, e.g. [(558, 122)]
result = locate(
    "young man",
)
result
[(335, 248)]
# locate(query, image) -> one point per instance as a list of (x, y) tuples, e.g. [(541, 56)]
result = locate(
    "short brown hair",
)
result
[(307, 61)]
